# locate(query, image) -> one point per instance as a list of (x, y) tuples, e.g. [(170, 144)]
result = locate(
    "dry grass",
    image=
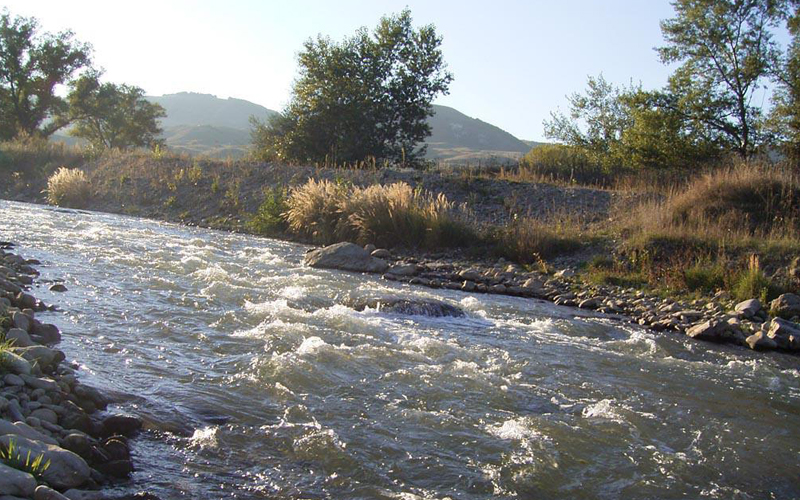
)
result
[(386, 215), (69, 187), (706, 234), (528, 240)]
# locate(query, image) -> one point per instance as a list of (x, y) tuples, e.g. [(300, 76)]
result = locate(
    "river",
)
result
[(256, 381)]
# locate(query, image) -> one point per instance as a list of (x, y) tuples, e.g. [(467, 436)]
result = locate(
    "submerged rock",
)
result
[(347, 257), (414, 307)]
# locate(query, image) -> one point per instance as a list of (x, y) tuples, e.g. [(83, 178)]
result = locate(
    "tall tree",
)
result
[(367, 96), (726, 50), (32, 65), (784, 122), (112, 116)]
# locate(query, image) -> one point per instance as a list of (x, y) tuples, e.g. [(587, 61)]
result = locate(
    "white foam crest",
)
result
[(212, 273), (516, 430), (311, 346), (604, 410), (192, 263), (294, 292), (205, 437)]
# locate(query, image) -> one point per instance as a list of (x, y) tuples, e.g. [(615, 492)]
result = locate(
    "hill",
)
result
[(203, 124)]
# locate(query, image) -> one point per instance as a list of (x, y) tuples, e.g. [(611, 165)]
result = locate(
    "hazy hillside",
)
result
[(191, 108), (207, 125)]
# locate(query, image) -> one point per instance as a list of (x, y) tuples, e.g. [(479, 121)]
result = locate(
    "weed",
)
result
[(270, 220), (12, 456)]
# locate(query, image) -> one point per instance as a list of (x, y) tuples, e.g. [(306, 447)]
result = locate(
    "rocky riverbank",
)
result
[(57, 437), (751, 324)]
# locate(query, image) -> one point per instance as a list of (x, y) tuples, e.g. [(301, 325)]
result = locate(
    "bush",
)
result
[(562, 163), (270, 219), (314, 210), (384, 215), (68, 188)]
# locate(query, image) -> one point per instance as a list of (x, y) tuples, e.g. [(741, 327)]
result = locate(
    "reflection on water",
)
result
[(258, 382)]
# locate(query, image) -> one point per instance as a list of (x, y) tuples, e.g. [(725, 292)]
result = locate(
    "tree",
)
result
[(726, 50), (784, 121), (629, 127), (601, 112), (31, 67), (112, 116), (367, 96)]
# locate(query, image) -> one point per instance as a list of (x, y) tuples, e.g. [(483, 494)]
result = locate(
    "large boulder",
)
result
[(786, 306), (66, 470), (415, 307), (785, 334), (16, 482), (347, 257)]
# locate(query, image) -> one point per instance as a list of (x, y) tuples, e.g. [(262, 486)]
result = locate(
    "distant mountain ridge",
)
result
[(203, 124)]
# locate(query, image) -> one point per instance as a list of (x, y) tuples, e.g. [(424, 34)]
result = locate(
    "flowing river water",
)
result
[(257, 381)]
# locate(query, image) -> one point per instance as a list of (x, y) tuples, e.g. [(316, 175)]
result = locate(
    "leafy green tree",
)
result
[(784, 120), (628, 127), (112, 116), (596, 121), (366, 96), (32, 65), (726, 50)]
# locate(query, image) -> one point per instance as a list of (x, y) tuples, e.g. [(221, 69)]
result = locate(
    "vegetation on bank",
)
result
[(734, 228)]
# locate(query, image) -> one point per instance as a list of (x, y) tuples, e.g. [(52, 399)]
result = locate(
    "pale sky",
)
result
[(513, 61)]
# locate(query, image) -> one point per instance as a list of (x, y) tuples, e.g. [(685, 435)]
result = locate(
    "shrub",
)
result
[(397, 214), (314, 210), (384, 215), (559, 162), (753, 283), (270, 220), (68, 188)]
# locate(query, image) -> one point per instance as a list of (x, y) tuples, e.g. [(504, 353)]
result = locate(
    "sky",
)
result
[(513, 62)]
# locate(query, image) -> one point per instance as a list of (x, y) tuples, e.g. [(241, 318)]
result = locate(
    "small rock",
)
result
[(16, 482), (748, 308), (381, 253), (42, 492), (470, 274), (403, 269), (710, 330), (565, 273), (46, 333), (19, 338), (116, 468), (66, 470), (45, 415), (759, 341), (14, 363), (369, 247), (125, 425), (21, 321), (24, 430), (588, 303), (58, 287), (15, 380), (786, 306)]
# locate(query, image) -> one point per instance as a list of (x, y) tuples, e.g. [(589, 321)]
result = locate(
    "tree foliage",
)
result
[(784, 122), (628, 127), (726, 51), (112, 116), (366, 96), (32, 65)]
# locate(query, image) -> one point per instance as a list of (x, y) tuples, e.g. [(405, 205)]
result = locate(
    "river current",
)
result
[(256, 381)]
